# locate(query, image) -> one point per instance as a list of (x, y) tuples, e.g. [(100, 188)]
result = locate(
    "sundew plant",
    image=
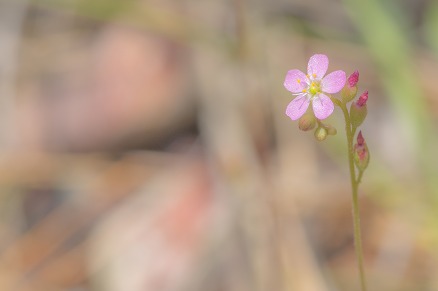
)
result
[(318, 89)]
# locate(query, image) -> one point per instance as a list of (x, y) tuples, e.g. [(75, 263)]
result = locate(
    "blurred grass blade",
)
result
[(391, 49), (431, 25)]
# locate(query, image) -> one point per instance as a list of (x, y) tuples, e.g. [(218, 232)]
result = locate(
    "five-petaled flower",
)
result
[(313, 87)]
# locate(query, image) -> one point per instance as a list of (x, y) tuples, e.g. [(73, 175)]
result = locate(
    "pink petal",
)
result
[(318, 65), (297, 107), (295, 81), (322, 106), (333, 82)]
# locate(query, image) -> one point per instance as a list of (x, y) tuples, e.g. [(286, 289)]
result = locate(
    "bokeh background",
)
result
[(144, 146)]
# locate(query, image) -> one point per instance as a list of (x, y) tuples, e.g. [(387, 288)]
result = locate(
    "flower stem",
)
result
[(350, 131)]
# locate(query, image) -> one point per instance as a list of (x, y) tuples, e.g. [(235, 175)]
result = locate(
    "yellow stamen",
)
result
[(314, 75), (314, 88), (299, 81)]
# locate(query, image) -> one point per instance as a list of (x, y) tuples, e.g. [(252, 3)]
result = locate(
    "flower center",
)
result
[(314, 88)]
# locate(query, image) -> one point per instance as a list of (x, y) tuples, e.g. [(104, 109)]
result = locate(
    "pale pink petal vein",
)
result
[(318, 65), (297, 107), (322, 106), (295, 81), (333, 82)]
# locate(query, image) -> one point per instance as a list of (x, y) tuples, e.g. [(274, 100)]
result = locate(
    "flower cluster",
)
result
[(317, 88)]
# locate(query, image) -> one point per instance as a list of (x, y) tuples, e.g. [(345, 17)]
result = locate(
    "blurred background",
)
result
[(144, 146)]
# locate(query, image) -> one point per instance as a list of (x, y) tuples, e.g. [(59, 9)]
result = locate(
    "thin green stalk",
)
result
[(354, 186), (359, 178)]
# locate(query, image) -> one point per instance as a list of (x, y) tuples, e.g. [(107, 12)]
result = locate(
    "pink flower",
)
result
[(313, 87)]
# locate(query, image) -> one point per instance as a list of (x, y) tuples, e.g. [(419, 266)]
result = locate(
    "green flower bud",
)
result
[(307, 122), (321, 133), (348, 93), (358, 110), (350, 90), (361, 153), (331, 130)]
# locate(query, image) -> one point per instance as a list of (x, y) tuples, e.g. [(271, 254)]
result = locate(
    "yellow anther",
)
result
[(314, 75), (299, 81), (304, 91), (314, 88)]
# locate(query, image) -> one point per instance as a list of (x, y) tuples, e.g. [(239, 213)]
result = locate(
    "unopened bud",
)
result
[(358, 110), (361, 153), (320, 133), (307, 122), (350, 89), (363, 99), (360, 139), (331, 130), (353, 79)]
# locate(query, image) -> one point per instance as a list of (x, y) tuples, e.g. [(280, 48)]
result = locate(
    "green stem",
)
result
[(359, 178), (354, 186)]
